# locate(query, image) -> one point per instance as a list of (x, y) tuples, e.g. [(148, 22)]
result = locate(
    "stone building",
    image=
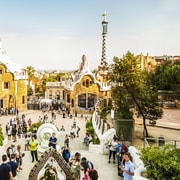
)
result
[(146, 63), (13, 85)]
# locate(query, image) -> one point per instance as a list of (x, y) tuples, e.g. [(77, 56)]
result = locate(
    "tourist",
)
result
[(86, 166), (77, 132), (11, 150), (112, 149), (62, 128), (72, 132), (9, 132), (53, 141), (128, 168), (19, 156), (66, 140), (33, 146), (92, 174), (5, 169), (75, 166), (66, 153), (14, 132), (14, 166), (74, 123), (27, 140)]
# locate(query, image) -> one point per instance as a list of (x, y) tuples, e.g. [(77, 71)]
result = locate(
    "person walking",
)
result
[(53, 140), (128, 168), (33, 146), (14, 166), (19, 156), (77, 132), (5, 169)]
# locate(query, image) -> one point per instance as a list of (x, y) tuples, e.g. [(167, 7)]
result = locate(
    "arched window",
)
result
[(72, 103), (87, 82)]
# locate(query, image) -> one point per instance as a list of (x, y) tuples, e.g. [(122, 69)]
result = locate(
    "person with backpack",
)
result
[(66, 153), (86, 166), (14, 166), (10, 150)]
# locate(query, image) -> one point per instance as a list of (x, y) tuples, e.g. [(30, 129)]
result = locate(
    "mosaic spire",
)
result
[(104, 58)]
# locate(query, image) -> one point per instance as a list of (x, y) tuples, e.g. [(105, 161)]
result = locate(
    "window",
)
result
[(87, 83), (1, 103), (23, 99), (87, 101), (6, 85)]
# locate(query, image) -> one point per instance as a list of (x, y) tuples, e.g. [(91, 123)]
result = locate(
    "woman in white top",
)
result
[(112, 149)]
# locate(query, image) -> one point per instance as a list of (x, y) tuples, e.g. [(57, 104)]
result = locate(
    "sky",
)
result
[(54, 34)]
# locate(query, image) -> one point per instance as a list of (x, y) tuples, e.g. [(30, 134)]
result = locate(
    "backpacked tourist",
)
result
[(14, 166), (66, 153)]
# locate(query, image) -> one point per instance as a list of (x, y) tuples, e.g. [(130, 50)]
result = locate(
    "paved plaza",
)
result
[(106, 171)]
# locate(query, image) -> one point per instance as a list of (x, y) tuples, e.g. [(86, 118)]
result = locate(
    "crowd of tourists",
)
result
[(12, 159), (118, 151)]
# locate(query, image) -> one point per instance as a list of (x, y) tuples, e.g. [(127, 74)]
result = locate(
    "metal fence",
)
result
[(160, 141)]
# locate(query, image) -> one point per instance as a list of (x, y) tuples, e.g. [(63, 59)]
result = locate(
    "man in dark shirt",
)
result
[(14, 166), (5, 169), (53, 141)]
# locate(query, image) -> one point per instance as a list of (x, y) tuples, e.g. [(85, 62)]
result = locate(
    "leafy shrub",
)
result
[(1, 137), (162, 163), (90, 130), (96, 140), (37, 125)]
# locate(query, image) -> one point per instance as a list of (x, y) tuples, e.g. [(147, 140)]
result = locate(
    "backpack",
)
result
[(90, 165), (8, 151)]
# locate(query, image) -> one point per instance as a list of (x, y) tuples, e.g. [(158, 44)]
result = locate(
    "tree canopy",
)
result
[(132, 86)]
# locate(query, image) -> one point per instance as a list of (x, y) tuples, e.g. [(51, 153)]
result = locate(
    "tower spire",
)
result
[(104, 58)]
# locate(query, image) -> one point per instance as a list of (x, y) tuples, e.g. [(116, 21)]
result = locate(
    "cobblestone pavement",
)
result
[(106, 171)]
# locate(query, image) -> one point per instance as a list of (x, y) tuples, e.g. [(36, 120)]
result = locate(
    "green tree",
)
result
[(31, 75), (162, 162), (167, 76), (137, 89), (44, 80)]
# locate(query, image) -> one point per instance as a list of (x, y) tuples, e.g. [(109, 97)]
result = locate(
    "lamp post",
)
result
[(120, 84)]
